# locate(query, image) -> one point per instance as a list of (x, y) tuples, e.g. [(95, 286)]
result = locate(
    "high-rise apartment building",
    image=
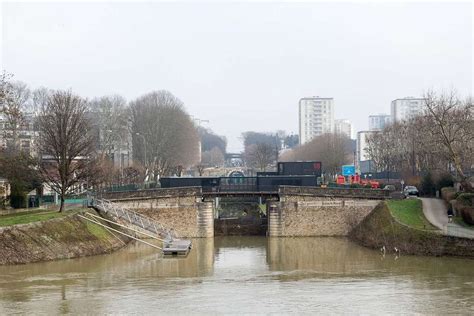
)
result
[(343, 126), (316, 117), (406, 108), (378, 122)]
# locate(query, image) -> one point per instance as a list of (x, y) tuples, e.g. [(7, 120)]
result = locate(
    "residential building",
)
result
[(378, 122), (406, 108), (116, 144), (26, 134), (316, 117), (343, 126), (363, 158)]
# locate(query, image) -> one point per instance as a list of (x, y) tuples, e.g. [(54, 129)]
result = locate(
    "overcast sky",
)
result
[(244, 66)]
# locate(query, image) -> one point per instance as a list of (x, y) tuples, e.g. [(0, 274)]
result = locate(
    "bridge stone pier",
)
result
[(292, 211)]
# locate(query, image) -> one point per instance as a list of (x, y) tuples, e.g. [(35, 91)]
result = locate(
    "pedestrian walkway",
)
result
[(437, 214)]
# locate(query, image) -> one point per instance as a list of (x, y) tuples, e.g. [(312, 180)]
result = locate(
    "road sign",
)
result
[(348, 170)]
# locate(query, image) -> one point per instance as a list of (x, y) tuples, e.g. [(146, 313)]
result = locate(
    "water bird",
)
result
[(397, 251)]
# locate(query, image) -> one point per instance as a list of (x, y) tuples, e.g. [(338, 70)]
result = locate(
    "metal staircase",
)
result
[(120, 214)]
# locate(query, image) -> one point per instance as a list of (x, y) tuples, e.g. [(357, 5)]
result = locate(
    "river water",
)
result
[(252, 275)]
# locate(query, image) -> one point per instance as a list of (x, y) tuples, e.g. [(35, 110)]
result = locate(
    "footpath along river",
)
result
[(243, 275)]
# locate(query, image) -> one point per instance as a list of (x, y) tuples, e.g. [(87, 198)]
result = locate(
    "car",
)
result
[(389, 187), (411, 190)]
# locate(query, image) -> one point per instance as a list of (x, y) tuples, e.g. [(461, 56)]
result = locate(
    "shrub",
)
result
[(448, 193), (445, 180), (17, 199), (427, 184), (467, 213), (465, 198)]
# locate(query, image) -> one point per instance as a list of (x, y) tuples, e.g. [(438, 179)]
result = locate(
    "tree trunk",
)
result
[(61, 207), (464, 180)]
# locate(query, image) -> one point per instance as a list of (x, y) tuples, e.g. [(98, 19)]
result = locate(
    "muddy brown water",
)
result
[(252, 275)]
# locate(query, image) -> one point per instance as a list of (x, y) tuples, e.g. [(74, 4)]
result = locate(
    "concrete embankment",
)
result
[(380, 229), (60, 238)]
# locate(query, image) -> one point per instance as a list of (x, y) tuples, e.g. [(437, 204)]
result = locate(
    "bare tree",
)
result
[(111, 123), (164, 136), (452, 126), (66, 143), (213, 157), (39, 98), (200, 169), (259, 155), (382, 149), (14, 103), (333, 150)]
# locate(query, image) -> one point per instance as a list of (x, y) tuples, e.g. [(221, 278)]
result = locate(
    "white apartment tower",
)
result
[(406, 108), (316, 117), (378, 122), (342, 126)]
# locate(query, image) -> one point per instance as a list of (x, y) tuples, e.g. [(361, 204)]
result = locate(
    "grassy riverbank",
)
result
[(394, 228), (48, 235), (410, 213), (31, 216)]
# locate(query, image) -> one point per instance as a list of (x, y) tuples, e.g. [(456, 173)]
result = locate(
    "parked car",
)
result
[(389, 187), (411, 190)]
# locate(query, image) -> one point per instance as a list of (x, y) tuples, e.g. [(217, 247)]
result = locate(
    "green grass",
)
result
[(30, 217), (97, 230), (410, 213)]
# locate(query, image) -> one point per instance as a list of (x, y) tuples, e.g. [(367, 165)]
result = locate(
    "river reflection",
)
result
[(242, 274)]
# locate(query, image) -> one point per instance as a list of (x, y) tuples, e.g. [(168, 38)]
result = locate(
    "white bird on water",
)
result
[(382, 249)]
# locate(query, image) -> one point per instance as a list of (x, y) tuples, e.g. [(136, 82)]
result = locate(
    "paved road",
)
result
[(435, 211), (437, 214)]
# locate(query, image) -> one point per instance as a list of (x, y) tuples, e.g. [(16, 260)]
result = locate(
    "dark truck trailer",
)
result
[(271, 183), (300, 168), (208, 183)]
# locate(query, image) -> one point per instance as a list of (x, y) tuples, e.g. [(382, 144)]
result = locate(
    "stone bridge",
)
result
[(292, 211)]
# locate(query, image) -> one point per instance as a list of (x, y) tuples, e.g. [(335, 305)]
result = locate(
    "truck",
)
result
[(299, 168)]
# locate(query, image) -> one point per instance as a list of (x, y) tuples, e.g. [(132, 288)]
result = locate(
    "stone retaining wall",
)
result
[(188, 216), (296, 215)]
